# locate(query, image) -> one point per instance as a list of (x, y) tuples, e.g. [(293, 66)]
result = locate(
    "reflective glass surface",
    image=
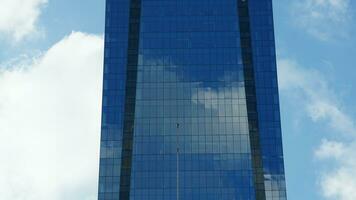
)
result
[(174, 77), (264, 57)]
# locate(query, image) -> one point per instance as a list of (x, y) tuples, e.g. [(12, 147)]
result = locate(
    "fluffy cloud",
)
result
[(321, 102), (339, 182), (18, 17), (330, 149), (324, 19), (50, 122), (322, 105)]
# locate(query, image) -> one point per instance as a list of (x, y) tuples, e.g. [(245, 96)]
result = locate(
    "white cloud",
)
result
[(50, 122), (338, 120), (323, 19), (338, 183), (330, 149), (18, 17), (322, 105)]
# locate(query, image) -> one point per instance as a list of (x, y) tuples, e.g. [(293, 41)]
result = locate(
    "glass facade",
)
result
[(200, 76)]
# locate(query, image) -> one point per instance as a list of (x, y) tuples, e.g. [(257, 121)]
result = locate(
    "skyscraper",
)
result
[(190, 102)]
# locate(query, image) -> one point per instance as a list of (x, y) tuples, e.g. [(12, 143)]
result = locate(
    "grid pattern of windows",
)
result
[(261, 19), (175, 75), (250, 88), (190, 72), (116, 44)]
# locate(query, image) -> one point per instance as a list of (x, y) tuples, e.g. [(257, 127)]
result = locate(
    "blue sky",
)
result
[(50, 87)]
